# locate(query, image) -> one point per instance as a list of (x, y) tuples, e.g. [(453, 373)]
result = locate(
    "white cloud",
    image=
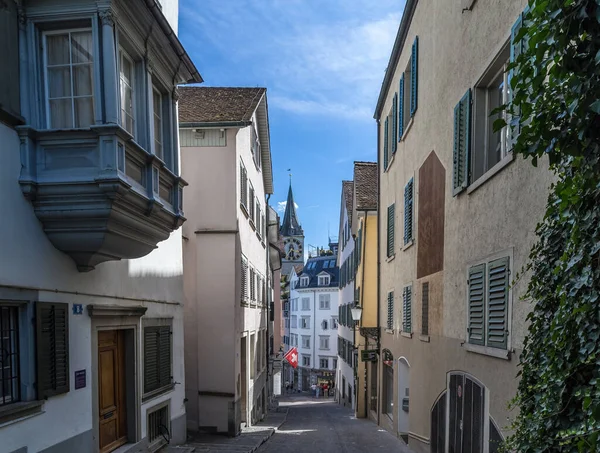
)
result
[(282, 204)]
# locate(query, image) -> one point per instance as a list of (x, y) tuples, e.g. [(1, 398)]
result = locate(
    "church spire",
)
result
[(291, 225)]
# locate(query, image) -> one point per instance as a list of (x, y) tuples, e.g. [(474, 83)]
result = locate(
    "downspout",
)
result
[(378, 268), (363, 258)]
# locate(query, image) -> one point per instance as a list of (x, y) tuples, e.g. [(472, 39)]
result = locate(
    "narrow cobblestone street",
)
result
[(321, 425)]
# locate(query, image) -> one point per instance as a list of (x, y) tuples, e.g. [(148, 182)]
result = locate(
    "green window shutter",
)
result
[(497, 303), (407, 310), (408, 211), (390, 230), (414, 79), (385, 144), (52, 341), (395, 123), (476, 306), (157, 357), (462, 144), (401, 107), (390, 310)]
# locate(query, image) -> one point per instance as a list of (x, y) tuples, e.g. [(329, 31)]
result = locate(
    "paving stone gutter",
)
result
[(247, 442)]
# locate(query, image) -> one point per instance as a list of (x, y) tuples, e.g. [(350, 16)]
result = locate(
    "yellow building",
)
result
[(364, 229)]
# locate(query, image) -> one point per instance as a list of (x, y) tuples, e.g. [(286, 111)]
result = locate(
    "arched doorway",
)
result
[(403, 397)]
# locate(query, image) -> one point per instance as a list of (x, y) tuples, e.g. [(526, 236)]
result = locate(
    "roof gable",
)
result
[(210, 105), (365, 186)]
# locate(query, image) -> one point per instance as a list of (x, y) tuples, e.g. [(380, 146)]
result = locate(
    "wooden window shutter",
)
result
[(401, 107), (497, 303), (414, 79), (407, 310), (385, 144), (476, 306), (390, 230), (395, 123), (408, 211), (157, 357), (390, 310), (462, 144), (52, 341), (244, 280), (425, 309)]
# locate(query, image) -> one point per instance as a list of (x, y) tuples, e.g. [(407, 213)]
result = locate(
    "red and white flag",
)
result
[(292, 357)]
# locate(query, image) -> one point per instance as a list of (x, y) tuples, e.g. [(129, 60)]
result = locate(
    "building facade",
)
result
[(91, 277), (346, 388), (313, 321), (224, 134), (458, 214), (364, 229)]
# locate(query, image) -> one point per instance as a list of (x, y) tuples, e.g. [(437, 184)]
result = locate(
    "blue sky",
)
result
[(322, 62)]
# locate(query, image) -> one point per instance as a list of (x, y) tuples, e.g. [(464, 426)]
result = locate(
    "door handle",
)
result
[(108, 415)]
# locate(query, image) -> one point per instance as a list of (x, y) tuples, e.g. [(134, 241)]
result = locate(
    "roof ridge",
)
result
[(363, 162)]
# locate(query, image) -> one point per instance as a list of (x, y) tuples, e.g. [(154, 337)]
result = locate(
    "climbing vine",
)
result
[(556, 92)]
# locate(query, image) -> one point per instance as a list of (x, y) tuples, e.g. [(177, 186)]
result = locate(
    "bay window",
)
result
[(158, 136), (69, 66)]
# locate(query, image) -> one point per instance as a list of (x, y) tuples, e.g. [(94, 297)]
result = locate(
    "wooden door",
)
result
[(111, 389)]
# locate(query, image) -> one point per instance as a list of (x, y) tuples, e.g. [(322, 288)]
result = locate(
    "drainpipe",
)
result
[(378, 268), (363, 258)]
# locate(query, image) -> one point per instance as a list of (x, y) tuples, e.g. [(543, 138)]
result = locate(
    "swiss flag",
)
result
[(292, 357)]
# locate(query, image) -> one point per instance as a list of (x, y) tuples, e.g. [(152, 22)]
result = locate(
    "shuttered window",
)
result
[(252, 285), (425, 309), (407, 309), (157, 357), (408, 211), (243, 186), (497, 303), (476, 309), (516, 49), (400, 118), (462, 143), (395, 123), (244, 279), (488, 304), (251, 203), (390, 230), (414, 80), (52, 336), (390, 310), (385, 144)]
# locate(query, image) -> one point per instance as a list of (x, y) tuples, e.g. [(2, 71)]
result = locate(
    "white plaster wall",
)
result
[(170, 9), (331, 333)]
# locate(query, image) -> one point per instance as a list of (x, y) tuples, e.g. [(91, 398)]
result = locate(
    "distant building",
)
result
[(91, 277), (293, 236), (226, 155)]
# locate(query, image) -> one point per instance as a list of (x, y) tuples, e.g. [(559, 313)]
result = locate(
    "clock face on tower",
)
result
[(293, 249)]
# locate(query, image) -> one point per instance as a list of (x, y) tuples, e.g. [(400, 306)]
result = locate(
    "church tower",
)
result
[(293, 236)]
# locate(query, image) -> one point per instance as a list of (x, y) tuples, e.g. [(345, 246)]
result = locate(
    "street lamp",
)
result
[(356, 312)]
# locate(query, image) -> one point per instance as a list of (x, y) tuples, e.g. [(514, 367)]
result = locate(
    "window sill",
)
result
[(252, 224), (407, 128), (389, 331), (491, 173), (406, 334), (16, 412), (408, 245), (503, 354), (424, 338), (244, 209), (390, 258), (158, 392), (390, 161)]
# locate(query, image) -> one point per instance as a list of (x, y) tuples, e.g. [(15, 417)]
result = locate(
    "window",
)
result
[(252, 285), (323, 342), (390, 230), (408, 90), (158, 125), (305, 360), (244, 279), (243, 186), (490, 147), (52, 341), (390, 310), (388, 138), (256, 148), (294, 321), (324, 280), (407, 309), (323, 363), (488, 304), (126, 78), (305, 341), (257, 216), (304, 281), (305, 322), (324, 301), (294, 304), (325, 264), (10, 383), (252, 356), (334, 323), (295, 339), (408, 211), (287, 323), (388, 388), (251, 203), (305, 303), (425, 309), (334, 365), (69, 65), (157, 357), (324, 325)]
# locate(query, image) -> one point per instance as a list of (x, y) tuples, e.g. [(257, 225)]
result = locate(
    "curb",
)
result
[(272, 431)]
